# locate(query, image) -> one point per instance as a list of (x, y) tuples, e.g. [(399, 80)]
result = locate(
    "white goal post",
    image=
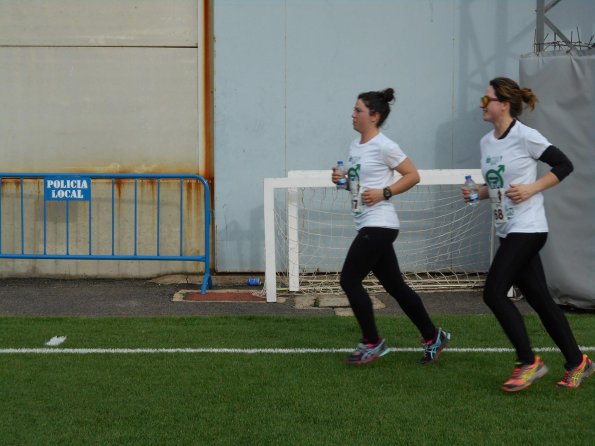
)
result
[(436, 215)]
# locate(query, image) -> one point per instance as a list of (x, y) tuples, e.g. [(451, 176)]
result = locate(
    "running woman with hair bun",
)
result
[(373, 158), (509, 156)]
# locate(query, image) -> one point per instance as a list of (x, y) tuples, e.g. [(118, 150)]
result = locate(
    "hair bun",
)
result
[(388, 95)]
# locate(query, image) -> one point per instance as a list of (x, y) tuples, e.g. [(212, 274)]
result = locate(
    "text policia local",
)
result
[(69, 189)]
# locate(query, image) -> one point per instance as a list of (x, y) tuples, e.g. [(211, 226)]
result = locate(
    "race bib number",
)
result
[(499, 211)]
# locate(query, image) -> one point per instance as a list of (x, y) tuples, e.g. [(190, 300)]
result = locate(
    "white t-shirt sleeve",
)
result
[(535, 143), (392, 155)]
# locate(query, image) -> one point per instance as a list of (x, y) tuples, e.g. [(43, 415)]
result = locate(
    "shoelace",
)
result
[(518, 370), (362, 347), (430, 350), (567, 376)]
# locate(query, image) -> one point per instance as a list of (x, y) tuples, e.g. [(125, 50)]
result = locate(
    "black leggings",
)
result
[(372, 250), (517, 262)]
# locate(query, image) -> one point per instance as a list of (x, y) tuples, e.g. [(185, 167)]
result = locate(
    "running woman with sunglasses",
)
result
[(509, 156), (373, 158)]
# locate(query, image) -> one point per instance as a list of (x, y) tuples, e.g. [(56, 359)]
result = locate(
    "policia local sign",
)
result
[(67, 188)]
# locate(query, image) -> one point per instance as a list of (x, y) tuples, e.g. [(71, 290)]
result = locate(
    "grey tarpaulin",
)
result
[(565, 114)]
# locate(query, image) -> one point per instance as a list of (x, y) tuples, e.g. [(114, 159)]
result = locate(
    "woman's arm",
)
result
[(409, 178), (521, 192), (561, 168)]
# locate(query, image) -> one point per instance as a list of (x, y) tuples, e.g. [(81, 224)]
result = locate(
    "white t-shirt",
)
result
[(373, 165), (513, 160)]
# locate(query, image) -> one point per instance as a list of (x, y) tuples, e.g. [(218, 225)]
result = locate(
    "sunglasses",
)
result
[(485, 100)]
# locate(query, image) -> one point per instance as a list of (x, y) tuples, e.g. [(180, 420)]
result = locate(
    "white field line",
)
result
[(250, 351)]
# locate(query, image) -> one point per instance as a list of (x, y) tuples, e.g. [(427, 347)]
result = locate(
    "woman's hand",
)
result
[(337, 175), (466, 194), (372, 196), (518, 193), (482, 193)]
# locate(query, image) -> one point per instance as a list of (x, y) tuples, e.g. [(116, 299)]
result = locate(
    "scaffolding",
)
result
[(559, 41)]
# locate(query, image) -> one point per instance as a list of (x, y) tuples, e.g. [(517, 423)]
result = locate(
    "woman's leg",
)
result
[(389, 274), (531, 280), (513, 255), (363, 255)]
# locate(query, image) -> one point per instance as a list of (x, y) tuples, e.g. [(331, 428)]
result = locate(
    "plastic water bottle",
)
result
[(342, 183), (253, 281), (472, 186)]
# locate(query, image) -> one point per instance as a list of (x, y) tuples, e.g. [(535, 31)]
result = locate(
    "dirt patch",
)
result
[(218, 296)]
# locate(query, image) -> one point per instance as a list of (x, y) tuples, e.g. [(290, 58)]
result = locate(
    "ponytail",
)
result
[(529, 98), (509, 91), (379, 102)]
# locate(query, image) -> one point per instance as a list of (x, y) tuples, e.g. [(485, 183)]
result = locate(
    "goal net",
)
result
[(442, 244)]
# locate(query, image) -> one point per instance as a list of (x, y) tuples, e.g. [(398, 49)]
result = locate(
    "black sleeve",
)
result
[(561, 165)]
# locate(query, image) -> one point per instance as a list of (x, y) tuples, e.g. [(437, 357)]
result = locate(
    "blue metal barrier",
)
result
[(76, 187)]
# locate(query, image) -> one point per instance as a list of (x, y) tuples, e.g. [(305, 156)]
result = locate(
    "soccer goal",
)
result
[(442, 244)]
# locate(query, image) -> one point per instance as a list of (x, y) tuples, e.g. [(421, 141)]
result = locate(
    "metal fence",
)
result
[(105, 221)]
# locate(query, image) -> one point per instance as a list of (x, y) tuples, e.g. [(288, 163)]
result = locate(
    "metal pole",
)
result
[(539, 26)]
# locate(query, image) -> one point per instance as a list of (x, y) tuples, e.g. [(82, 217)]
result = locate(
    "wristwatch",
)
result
[(387, 193)]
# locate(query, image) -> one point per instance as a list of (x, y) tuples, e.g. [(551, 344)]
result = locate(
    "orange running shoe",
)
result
[(574, 377), (524, 375)]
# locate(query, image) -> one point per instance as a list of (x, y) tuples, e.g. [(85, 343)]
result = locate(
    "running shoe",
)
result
[(524, 375), (434, 347), (365, 353), (574, 377)]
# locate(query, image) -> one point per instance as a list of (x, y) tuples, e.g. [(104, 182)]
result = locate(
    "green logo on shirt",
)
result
[(493, 159), (494, 179), (353, 172)]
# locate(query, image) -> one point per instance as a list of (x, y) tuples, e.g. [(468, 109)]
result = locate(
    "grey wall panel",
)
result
[(98, 23), (489, 38), (332, 57), (250, 124), (99, 109), (287, 74), (565, 115)]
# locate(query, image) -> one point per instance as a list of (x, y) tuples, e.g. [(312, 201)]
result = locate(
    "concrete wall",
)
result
[(98, 86), (102, 86), (112, 85)]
